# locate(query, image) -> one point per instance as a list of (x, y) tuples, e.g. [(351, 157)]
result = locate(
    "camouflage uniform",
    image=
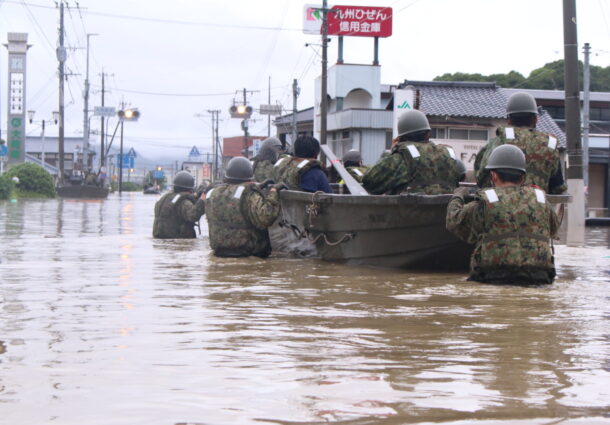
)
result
[(288, 170), (238, 218), (541, 157), (414, 167), (176, 215), (263, 170), (512, 228), (357, 173)]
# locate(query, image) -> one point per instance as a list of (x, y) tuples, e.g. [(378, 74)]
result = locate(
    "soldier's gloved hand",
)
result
[(266, 183), (461, 192), (202, 188), (279, 186)]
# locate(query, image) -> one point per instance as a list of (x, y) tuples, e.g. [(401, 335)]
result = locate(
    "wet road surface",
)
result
[(101, 324)]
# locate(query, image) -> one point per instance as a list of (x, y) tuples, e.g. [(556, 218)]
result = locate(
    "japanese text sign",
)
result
[(363, 21)]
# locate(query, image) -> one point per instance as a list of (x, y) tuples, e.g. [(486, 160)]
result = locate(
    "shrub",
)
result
[(6, 186), (33, 179), (127, 187)]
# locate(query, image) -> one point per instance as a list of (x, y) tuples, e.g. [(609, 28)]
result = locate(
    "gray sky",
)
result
[(175, 59)]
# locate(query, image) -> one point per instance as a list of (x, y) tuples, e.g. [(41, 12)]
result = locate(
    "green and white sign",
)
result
[(403, 101)]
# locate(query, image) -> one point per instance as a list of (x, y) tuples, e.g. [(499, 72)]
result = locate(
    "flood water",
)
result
[(101, 324)]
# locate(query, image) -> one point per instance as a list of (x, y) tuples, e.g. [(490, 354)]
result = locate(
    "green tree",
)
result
[(34, 180), (6, 186)]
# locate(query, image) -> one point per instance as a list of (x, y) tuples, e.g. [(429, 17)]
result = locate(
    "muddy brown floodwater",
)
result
[(101, 324)]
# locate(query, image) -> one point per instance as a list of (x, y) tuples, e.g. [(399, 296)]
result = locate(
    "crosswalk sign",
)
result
[(132, 153), (194, 151)]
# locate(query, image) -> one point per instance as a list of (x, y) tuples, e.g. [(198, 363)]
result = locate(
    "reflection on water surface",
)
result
[(101, 324)]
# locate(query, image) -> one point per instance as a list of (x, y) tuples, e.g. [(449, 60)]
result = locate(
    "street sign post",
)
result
[(128, 161), (104, 111), (270, 109)]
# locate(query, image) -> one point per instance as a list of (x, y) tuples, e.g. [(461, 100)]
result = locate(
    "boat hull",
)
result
[(406, 231), (82, 192)]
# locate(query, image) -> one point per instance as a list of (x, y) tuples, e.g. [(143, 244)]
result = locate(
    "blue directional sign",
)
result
[(194, 151), (128, 161), (158, 174), (3, 150)]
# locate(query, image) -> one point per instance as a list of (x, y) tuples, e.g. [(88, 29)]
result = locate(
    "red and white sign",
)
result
[(362, 21)]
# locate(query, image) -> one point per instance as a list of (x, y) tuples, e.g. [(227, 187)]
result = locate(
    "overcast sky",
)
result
[(177, 59)]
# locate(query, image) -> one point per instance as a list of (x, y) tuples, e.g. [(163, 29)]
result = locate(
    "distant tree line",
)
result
[(548, 77)]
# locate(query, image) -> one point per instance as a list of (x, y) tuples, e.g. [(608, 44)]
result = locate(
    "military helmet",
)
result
[(184, 180), (460, 166), (240, 169), (352, 156), (412, 121), (521, 102), (270, 149), (507, 158)]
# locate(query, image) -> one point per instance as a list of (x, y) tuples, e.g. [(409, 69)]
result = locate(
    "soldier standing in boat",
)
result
[(303, 171), (542, 157), (511, 224), (177, 212), (239, 213), (415, 164), (352, 161), (265, 160)]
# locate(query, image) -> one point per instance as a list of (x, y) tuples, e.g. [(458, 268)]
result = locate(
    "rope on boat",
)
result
[(313, 211)]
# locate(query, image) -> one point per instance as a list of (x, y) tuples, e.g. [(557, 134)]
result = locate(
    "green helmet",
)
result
[(183, 181), (507, 158), (412, 121), (239, 169), (270, 149), (521, 102), (352, 156)]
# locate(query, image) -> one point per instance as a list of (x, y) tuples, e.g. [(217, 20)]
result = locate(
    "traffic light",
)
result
[(240, 111), (131, 114)]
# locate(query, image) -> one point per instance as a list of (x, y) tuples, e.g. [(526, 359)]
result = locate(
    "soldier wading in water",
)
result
[(239, 213), (511, 224), (177, 212)]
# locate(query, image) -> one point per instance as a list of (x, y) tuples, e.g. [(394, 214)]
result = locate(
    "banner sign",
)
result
[(312, 19), (362, 21)]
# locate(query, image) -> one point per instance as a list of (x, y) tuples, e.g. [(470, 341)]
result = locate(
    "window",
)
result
[(599, 114), (467, 134), (345, 134), (438, 133), (556, 112), (458, 133), (388, 140)]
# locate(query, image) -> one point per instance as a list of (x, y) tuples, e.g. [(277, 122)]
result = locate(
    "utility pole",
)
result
[(295, 93), (120, 161), (218, 156), (61, 57), (102, 144), (576, 209), (323, 105), (214, 113), (585, 119), (269, 103), (244, 125), (86, 109)]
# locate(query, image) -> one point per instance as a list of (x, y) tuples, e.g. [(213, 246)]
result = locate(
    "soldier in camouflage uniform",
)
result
[(352, 161), (542, 157), (511, 224), (415, 164), (302, 171), (266, 158), (177, 212), (239, 213)]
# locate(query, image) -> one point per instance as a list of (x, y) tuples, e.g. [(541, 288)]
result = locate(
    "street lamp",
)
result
[(43, 123)]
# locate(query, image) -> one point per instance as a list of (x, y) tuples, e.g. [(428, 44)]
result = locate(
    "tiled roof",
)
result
[(473, 100)]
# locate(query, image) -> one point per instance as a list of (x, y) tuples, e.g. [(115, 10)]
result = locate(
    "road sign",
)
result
[(158, 174), (362, 21), (194, 151), (3, 150), (104, 111), (256, 146), (128, 161), (270, 109), (403, 101), (132, 153)]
